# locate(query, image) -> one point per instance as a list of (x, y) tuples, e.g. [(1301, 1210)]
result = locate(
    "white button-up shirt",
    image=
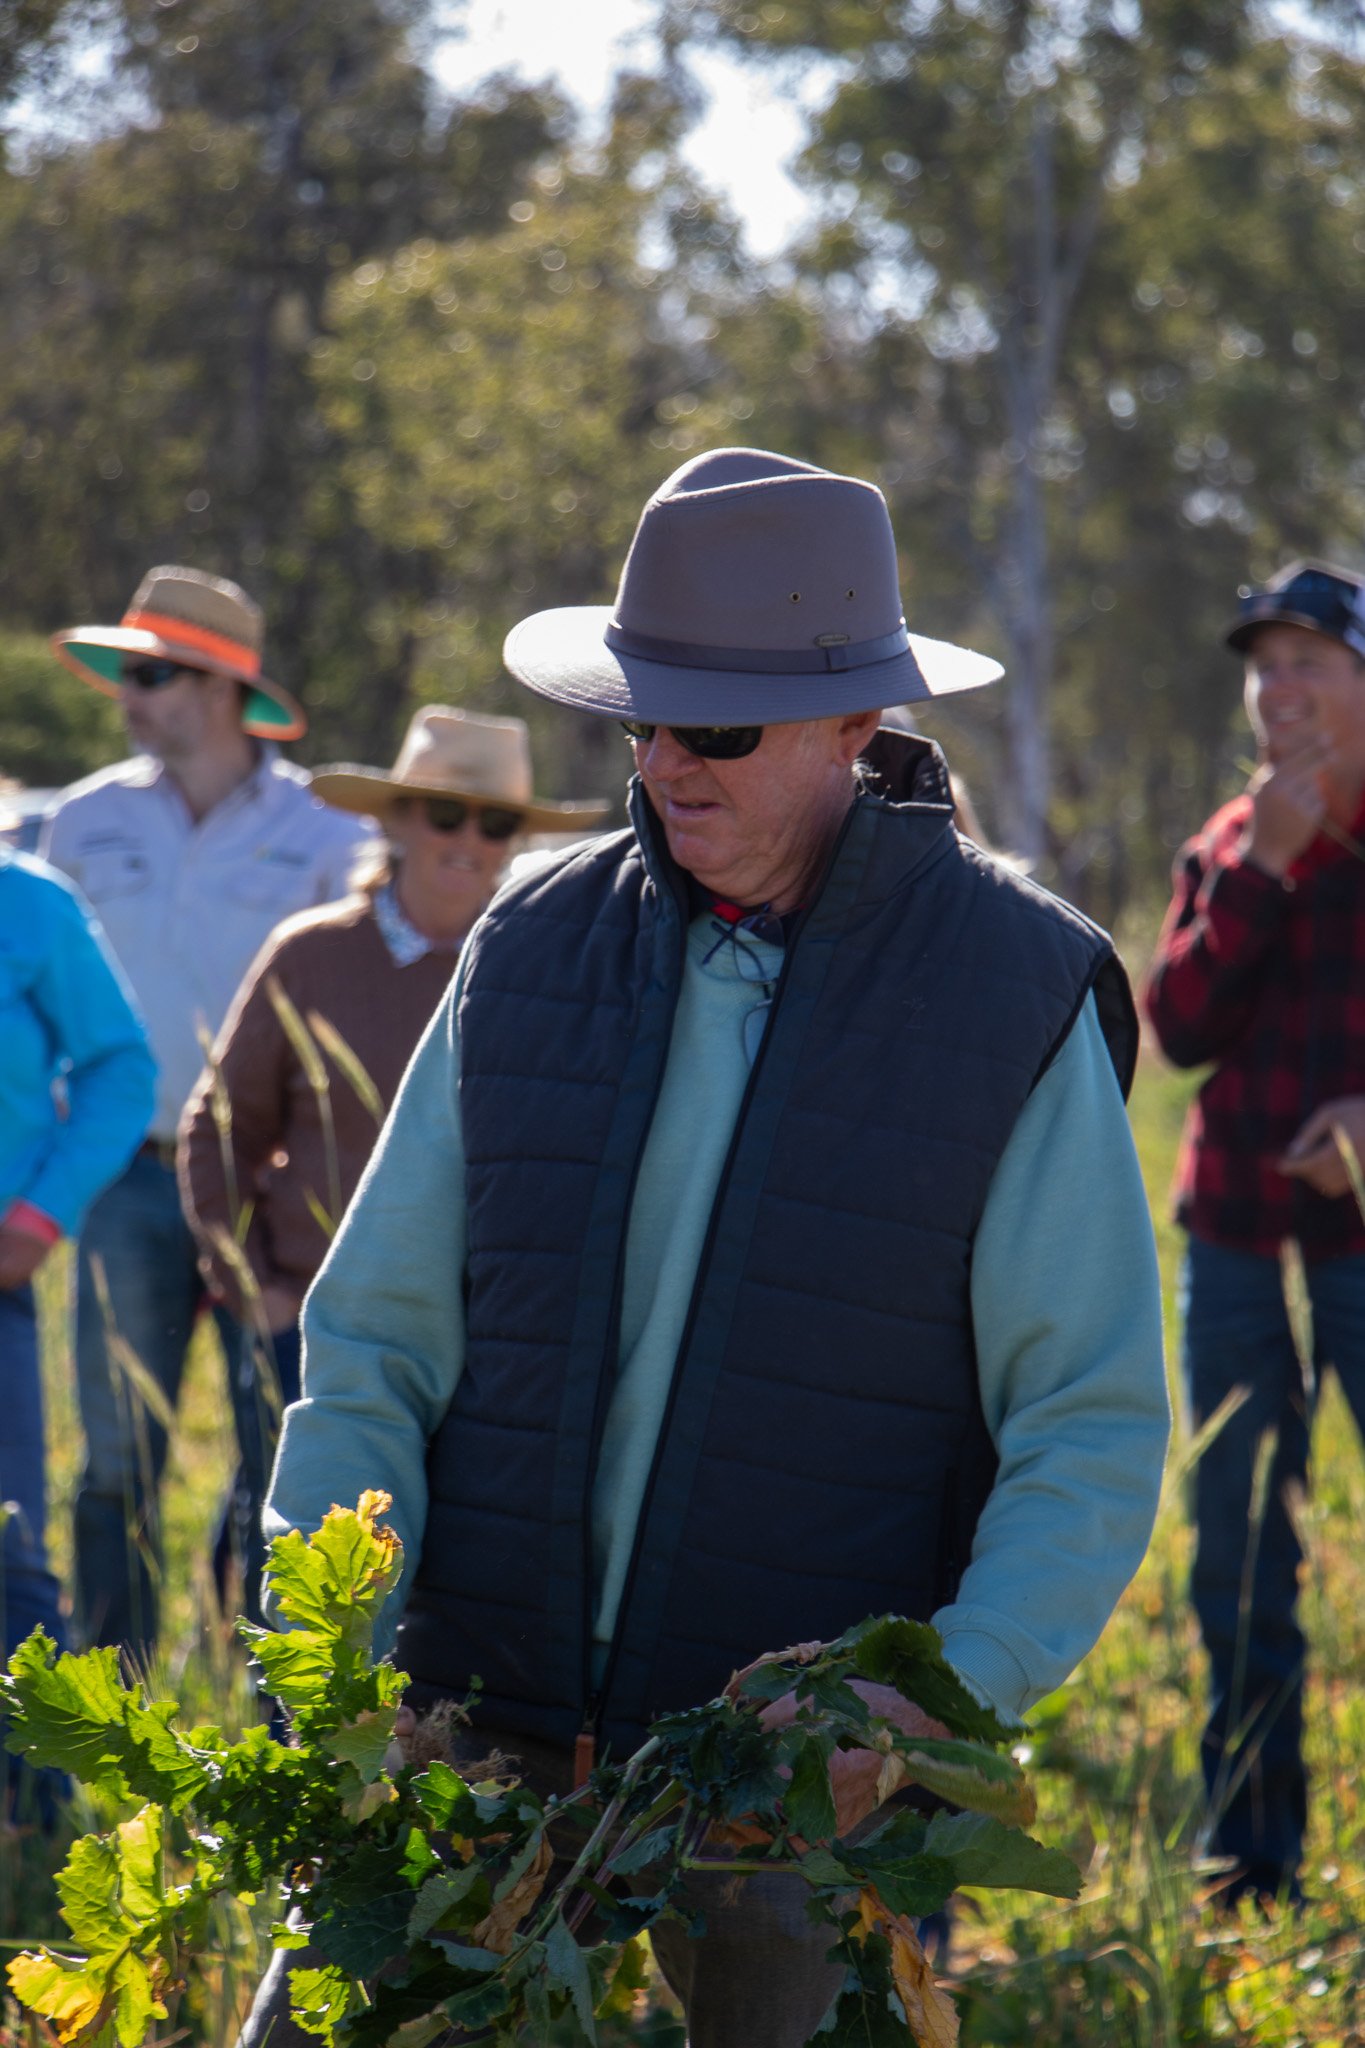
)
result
[(187, 905)]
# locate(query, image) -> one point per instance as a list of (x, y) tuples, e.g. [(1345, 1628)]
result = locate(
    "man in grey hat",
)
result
[(191, 851), (757, 1241)]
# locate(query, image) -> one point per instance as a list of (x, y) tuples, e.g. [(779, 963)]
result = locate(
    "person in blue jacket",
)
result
[(77, 1085)]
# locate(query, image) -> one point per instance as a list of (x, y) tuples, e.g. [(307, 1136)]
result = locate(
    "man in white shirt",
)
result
[(191, 851)]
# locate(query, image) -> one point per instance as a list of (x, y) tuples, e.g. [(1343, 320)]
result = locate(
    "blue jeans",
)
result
[(28, 1591), (264, 1380), (138, 1236), (1245, 1579)]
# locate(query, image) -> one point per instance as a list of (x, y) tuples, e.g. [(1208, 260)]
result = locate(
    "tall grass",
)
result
[(1140, 1961)]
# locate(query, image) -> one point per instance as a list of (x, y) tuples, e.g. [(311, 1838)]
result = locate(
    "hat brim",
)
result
[(369, 792), (1238, 635), (95, 654), (562, 654)]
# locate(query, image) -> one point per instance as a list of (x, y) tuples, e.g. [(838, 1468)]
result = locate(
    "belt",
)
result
[(160, 1149)]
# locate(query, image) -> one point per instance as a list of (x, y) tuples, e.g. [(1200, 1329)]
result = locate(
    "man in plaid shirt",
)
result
[(1260, 970)]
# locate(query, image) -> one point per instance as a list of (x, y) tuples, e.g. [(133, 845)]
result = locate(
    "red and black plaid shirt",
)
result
[(1266, 979)]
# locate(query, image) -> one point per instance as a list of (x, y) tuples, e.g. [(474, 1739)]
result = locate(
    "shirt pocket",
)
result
[(113, 873), (277, 887)]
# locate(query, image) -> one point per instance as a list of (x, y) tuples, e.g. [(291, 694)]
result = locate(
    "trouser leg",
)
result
[(1244, 1582), (137, 1239), (264, 1377), (29, 1595)]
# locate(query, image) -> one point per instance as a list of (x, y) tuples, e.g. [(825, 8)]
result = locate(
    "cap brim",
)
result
[(1238, 635), (95, 654), (369, 792), (562, 654)]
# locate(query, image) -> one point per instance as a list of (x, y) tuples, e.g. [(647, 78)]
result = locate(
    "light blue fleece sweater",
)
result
[(1065, 1306), (65, 1014)]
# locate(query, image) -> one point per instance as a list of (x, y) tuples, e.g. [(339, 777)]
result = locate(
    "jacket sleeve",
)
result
[(383, 1324), (1220, 935), (248, 1072), (110, 1074), (1066, 1313)]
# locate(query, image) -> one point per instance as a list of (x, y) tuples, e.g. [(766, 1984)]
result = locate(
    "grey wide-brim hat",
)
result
[(757, 591)]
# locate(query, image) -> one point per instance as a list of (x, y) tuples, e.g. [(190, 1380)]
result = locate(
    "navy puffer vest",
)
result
[(823, 1454)]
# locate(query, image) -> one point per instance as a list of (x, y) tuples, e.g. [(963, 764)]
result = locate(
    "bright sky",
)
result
[(740, 147)]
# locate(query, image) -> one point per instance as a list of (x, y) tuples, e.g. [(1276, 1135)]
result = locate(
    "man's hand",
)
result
[(853, 1773), (1315, 1156), (21, 1254), (277, 1308), (1288, 805)]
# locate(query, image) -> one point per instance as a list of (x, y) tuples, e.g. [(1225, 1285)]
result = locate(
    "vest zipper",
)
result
[(585, 1744), (703, 1262)]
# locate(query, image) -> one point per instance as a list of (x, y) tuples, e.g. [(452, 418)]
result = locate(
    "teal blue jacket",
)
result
[(67, 1029)]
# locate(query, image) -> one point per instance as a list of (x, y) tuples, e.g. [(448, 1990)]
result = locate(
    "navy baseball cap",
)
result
[(1309, 594)]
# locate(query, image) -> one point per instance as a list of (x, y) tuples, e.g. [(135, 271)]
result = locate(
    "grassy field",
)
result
[(1142, 1960)]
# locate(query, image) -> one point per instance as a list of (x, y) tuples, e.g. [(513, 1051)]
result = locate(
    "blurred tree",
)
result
[(505, 404), (49, 735), (998, 175), (155, 385)]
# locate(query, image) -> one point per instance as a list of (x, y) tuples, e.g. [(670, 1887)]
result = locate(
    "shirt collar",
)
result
[(405, 943)]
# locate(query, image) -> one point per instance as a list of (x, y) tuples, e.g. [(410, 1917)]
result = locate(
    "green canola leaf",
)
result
[(320, 1999), (983, 1851), (437, 1902), (809, 1800), (298, 1666), (566, 1966), (336, 1580), (908, 1655), (363, 1900), (446, 1800), (630, 1975), (74, 1713), (363, 1743), (967, 1775)]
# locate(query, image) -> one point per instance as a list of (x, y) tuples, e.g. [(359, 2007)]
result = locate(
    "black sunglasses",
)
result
[(151, 675), (450, 813), (707, 742)]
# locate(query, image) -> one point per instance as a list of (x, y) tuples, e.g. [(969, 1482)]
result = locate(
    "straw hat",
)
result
[(202, 621), (461, 754), (757, 590)]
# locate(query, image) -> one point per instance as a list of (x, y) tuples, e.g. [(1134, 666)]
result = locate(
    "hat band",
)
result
[(217, 645), (830, 652)]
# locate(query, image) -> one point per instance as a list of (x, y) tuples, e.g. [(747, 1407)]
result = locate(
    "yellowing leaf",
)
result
[(931, 2017), (67, 1994)]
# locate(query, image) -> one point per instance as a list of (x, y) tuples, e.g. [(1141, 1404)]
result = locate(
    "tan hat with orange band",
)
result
[(202, 621)]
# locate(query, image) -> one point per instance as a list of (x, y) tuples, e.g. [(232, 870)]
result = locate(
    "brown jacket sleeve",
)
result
[(219, 1170)]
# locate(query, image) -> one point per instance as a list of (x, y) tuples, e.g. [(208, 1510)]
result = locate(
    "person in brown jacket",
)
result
[(282, 1121)]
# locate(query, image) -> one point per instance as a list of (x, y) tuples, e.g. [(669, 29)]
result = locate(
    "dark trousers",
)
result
[(28, 1591), (1246, 1570), (130, 1356), (263, 1379)]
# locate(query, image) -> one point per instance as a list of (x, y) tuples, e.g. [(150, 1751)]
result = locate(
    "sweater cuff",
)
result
[(1245, 891), (31, 1222), (991, 1673)]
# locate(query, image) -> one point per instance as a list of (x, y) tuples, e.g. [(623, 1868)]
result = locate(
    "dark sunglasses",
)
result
[(151, 675), (707, 742), (450, 813)]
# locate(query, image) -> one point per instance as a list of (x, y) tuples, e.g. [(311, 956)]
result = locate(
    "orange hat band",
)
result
[(216, 645)]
